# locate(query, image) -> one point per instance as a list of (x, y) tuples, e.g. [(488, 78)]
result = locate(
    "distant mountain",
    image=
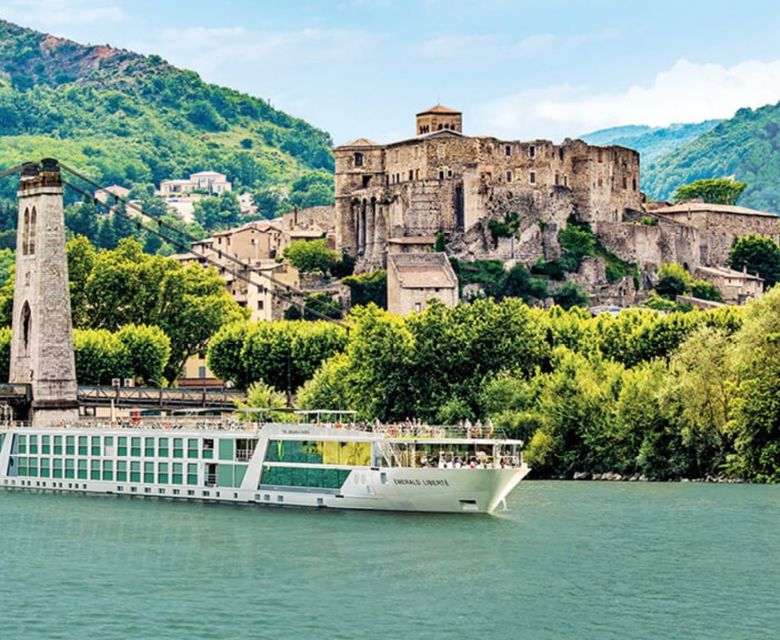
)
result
[(746, 147), (126, 118), (651, 142)]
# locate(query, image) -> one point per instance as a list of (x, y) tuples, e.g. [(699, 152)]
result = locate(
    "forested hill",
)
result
[(126, 118), (746, 147), (651, 142)]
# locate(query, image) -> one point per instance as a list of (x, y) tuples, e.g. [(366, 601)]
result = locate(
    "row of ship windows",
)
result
[(164, 472), (92, 445), (190, 493)]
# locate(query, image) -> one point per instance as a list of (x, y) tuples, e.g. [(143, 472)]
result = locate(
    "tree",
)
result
[(267, 201), (368, 288), (189, 303), (311, 256), (148, 351), (263, 396), (570, 295), (673, 280), (759, 255), (712, 190)]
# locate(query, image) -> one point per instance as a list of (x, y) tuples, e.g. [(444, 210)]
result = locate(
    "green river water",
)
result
[(568, 560)]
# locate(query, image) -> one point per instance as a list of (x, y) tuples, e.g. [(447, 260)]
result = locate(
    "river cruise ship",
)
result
[(406, 467)]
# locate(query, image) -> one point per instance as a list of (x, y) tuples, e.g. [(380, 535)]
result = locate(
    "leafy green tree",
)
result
[(267, 201), (757, 413), (81, 260), (368, 288), (311, 256), (712, 190), (5, 353), (7, 262), (570, 295), (283, 354), (673, 280), (263, 396), (100, 356), (189, 303), (705, 291), (148, 351), (759, 255)]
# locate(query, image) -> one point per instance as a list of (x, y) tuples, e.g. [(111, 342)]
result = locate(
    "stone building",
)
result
[(443, 181), (737, 287), (413, 279), (719, 225)]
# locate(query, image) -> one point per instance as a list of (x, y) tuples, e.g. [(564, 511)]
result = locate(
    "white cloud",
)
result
[(48, 14), (687, 92), (487, 49), (208, 49)]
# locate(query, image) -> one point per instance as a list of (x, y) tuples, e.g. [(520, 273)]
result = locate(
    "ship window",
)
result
[(57, 468), (208, 448), (121, 446), (135, 471), (45, 467), (149, 447), (178, 473), (135, 447), (178, 447), (162, 448), (33, 444), (149, 472), (192, 447), (121, 470), (108, 469), (70, 468), (94, 470), (22, 444), (46, 444), (192, 474), (82, 470), (95, 445), (162, 473)]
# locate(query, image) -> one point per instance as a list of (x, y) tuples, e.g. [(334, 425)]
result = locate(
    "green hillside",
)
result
[(746, 147), (651, 142), (128, 119)]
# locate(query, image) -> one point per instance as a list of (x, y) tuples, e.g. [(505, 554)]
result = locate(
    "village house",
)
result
[(737, 287), (211, 182), (413, 279)]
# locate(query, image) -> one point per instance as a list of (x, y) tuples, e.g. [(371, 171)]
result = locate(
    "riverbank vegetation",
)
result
[(641, 392)]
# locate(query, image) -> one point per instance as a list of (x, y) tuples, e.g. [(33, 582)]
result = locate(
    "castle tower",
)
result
[(42, 342), (439, 118)]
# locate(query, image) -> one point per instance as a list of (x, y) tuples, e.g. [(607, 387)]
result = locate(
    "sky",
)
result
[(516, 69)]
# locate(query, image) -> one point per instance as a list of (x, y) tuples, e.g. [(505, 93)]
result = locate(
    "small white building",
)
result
[(209, 181)]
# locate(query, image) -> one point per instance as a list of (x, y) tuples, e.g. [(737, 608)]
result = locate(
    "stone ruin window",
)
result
[(28, 232), (560, 153), (509, 176), (633, 183), (565, 181), (625, 182), (601, 155), (532, 151), (441, 174), (532, 177), (449, 173), (507, 150), (366, 181), (557, 179), (411, 174), (26, 319), (358, 159)]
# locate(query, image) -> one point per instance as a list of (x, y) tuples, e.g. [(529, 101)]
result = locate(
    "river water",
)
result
[(568, 560)]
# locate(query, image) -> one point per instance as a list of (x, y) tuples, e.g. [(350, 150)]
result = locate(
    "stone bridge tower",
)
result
[(42, 342)]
